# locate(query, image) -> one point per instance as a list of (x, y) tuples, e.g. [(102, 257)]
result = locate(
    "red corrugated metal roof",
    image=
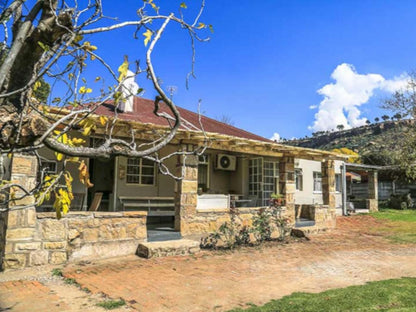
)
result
[(143, 112)]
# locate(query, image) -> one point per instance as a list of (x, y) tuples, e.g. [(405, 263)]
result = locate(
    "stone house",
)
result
[(136, 203)]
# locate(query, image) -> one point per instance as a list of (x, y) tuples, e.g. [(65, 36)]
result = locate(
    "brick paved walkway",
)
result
[(217, 281), (29, 296), (221, 281)]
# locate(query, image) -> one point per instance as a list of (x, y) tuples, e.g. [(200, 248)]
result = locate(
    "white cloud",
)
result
[(275, 137), (343, 98)]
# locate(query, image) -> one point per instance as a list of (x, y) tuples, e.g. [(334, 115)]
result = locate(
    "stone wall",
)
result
[(323, 215), (209, 220), (36, 239)]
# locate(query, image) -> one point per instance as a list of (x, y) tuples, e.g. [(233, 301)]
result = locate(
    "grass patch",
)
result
[(396, 215), (57, 272), (70, 281), (388, 295), (400, 226), (111, 304)]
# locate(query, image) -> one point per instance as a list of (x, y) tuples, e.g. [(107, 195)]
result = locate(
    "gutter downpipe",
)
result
[(344, 189), (115, 184)]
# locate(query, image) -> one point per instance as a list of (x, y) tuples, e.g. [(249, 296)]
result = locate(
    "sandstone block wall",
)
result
[(323, 215), (36, 239), (208, 221)]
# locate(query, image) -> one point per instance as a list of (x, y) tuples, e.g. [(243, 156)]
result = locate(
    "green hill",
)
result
[(377, 144)]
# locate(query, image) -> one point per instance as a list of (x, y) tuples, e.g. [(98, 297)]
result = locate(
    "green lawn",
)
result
[(388, 295), (400, 226), (396, 215)]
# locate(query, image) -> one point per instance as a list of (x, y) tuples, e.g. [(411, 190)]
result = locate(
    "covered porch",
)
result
[(237, 173)]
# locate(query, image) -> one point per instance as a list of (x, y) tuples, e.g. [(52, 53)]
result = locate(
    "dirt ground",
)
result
[(352, 254)]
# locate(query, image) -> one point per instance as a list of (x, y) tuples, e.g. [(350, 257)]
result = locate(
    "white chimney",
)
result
[(129, 89)]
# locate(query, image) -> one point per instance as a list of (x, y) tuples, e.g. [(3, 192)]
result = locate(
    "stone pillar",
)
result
[(372, 201), (287, 185), (328, 183), (22, 246), (186, 193)]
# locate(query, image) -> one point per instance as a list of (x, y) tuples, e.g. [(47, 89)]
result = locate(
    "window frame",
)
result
[(205, 162), (314, 176), (140, 174), (338, 176), (299, 174), (47, 161)]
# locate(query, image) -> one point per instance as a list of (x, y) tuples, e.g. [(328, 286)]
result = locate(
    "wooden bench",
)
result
[(155, 206)]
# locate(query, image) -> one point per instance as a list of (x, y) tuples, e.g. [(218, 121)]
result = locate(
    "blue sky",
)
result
[(266, 60)]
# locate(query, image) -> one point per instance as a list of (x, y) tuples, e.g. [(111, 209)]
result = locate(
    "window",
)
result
[(317, 182), (203, 172), (263, 178), (140, 171), (338, 183), (299, 179), (48, 166)]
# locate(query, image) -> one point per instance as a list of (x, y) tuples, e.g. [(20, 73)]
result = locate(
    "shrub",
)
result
[(233, 233), (111, 304), (262, 225)]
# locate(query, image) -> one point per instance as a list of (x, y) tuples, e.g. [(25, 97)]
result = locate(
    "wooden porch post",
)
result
[(287, 185), (186, 193)]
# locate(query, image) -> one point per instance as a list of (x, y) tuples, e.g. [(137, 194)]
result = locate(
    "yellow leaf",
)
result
[(122, 70), (87, 46), (147, 36), (88, 125), (200, 26), (103, 120), (78, 38), (183, 5), (57, 205), (78, 141), (59, 156), (153, 6), (84, 90), (84, 176), (37, 85)]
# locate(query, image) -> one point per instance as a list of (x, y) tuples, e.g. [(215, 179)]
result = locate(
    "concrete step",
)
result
[(178, 247)]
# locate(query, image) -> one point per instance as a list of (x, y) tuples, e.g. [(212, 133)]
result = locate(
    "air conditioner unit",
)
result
[(226, 162)]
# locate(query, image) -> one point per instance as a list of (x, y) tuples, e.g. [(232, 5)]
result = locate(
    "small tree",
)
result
[(368, 122), (376, 119), (340, 127), (57, 40), (385, 117), (397, 116)]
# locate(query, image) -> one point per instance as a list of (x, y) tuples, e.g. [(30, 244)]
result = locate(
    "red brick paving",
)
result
[(25, 296), (217, 281)]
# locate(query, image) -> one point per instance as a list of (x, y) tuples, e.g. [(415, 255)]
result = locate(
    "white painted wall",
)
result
[(307, 195)]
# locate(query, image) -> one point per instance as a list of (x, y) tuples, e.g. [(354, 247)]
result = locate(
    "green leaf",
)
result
[(211, 29), (43, 46), (183, 5)]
